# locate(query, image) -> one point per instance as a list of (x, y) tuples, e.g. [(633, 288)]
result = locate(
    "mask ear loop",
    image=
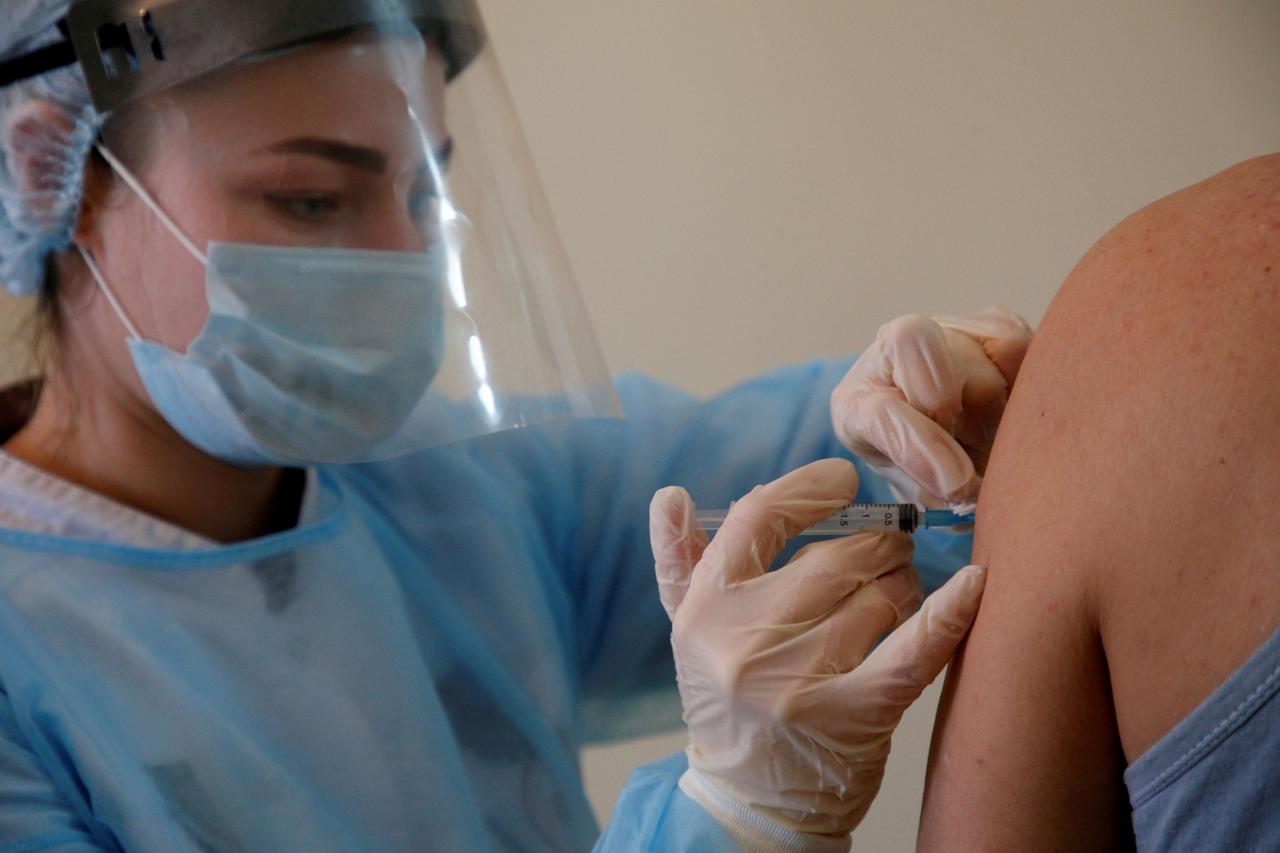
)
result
[(106, 291), (136, 185)]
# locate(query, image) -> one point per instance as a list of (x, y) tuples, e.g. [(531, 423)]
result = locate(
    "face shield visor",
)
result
[(343, 252)]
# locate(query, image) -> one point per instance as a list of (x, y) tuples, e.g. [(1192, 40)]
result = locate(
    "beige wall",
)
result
[(742, 183)]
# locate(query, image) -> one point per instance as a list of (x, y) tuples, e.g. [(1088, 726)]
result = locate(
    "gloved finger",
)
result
[(838, 645), (1003, 335), (911, 353), (864, 617), (984, 384), (823, 575), (677, 544), (909, 440), (759, 525), (865, 704), (897, 672), (985, 394), (976, 433)]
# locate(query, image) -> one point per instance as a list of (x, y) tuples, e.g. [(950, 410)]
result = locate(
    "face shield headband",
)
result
[(128, 50)]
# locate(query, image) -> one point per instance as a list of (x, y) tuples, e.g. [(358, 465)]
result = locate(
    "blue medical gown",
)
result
[(414, 666)]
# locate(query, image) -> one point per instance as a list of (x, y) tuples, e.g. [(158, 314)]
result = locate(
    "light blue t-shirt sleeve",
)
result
[(718, 449), (34, 816), (654, 814)]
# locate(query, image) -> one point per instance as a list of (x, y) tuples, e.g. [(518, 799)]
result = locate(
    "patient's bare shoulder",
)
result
[(1195, 588), (1132, 567)]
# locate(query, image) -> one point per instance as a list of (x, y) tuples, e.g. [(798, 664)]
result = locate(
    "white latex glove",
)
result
[(922, 404), (789, 711)]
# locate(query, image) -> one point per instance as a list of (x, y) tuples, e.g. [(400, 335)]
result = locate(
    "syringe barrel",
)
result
[(860, 517), (854, 518)]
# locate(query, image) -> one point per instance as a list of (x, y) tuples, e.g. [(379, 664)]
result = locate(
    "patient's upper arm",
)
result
[(1122, 520)]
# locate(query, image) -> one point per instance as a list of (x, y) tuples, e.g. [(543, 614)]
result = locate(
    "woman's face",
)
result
[(337, 145)]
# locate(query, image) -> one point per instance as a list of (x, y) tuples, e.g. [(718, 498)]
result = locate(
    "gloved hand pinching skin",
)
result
[(789, 710), (922, 403)]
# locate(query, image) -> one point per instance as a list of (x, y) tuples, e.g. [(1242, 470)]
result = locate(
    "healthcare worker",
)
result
[(320, 531)]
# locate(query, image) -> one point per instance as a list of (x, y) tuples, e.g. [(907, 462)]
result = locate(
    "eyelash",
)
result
[(421, 203), (291, 204)]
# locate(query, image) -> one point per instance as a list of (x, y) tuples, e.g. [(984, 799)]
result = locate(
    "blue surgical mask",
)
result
[(309, 355)]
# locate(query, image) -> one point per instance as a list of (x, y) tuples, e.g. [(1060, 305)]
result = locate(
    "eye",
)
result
[(306, 207)]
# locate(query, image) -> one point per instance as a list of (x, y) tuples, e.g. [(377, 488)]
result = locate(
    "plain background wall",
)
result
[(742, 183)]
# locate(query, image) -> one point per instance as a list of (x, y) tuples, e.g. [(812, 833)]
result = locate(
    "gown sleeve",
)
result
[(654, 814), (34, 814), (718, 449)]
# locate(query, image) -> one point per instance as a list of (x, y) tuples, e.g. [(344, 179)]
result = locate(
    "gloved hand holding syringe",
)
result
[(857, 518), (793, 680)]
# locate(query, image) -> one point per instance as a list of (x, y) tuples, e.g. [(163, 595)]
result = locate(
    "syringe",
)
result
[(856, 518)]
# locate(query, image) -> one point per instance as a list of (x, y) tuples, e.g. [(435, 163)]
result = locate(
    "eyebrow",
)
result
[(356, 156)]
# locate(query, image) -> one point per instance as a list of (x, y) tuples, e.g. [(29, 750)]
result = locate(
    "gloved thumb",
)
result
[(677, 544), (911, 657)]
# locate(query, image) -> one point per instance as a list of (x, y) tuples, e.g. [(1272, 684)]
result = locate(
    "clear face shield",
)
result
[(343, 253)]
